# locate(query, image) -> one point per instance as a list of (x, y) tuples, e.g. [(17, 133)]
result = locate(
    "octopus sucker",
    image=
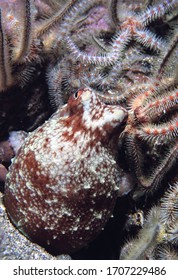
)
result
[(63, 183)]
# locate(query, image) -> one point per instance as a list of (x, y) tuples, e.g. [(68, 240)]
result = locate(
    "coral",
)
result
[(16, 44), (6, 154), (67, 180), (3, 173), (16, 139), (24, 39), (158, 237), (152, 127), (132, 26), (148, 123)]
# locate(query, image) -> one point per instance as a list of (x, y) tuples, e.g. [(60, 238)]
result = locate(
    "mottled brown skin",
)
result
[(63, 183)]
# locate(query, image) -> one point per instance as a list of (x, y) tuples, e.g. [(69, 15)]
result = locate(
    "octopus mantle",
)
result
[(63, 183)]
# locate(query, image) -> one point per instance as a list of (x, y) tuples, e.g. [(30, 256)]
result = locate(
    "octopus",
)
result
[(63, 183)]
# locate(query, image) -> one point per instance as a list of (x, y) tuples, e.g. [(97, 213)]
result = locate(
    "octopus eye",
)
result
[(76, 95)]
